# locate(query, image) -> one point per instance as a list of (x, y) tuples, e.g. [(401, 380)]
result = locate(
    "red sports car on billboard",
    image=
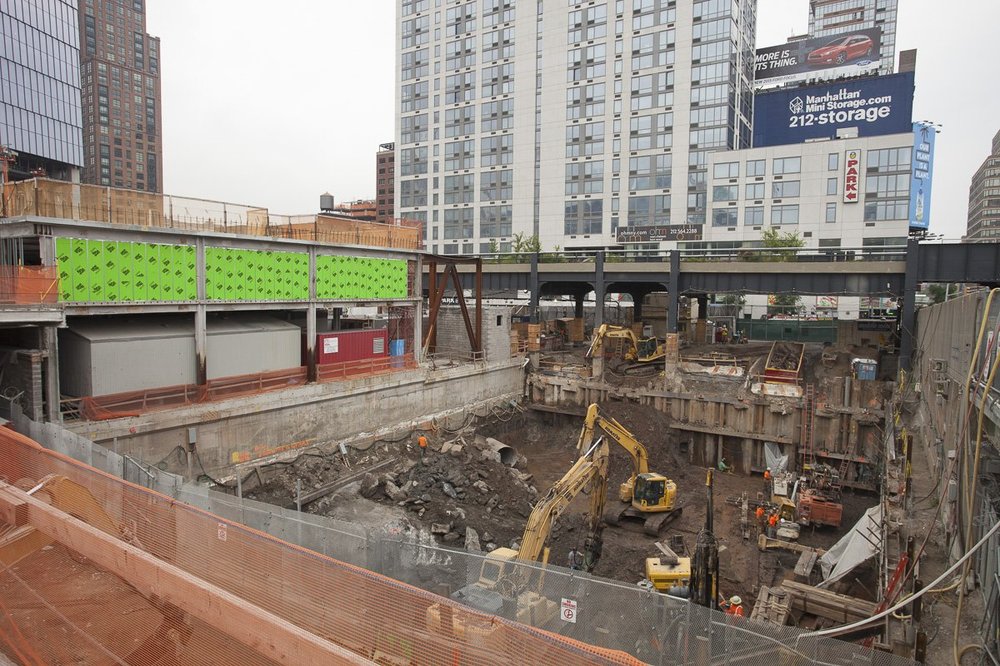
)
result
[(841, 50)]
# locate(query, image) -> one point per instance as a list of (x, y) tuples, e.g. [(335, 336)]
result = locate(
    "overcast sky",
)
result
[(273, 108)]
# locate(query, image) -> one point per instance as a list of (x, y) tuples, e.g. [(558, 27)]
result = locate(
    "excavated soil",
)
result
[(449, 490)]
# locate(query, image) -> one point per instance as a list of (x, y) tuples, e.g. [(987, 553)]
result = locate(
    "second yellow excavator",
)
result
[(651, 497)]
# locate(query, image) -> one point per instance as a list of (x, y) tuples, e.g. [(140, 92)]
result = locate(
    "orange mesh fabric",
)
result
[(57, 607)]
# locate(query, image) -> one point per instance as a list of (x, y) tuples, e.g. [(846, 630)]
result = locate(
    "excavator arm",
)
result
[(621, 435), (590, 470), (612, 332)]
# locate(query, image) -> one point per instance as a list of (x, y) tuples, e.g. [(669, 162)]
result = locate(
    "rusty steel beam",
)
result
[(457, 281)]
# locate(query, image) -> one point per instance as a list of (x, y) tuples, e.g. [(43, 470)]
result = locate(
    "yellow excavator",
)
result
[(504, 579), (638, 350), (651, 497)]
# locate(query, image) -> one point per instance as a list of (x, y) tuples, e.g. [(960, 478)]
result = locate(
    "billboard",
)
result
[(874, 106), (820, 58), (659, 232), (922, 174)]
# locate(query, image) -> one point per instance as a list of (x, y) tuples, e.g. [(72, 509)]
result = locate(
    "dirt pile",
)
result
[(458, 485)]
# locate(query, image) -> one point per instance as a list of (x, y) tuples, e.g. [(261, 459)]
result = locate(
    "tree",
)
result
[(524, 245), (939, 293), (783, 304), (780, 246)]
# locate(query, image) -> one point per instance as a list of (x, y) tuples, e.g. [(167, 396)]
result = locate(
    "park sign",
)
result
[(852, 176)]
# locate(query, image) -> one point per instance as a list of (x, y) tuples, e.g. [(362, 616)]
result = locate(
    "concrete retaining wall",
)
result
[(262, 426)]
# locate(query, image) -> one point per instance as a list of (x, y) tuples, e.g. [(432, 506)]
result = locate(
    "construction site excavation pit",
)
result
[(475, 485)]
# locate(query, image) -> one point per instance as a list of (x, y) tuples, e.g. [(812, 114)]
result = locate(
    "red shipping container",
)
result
[(356, 345)]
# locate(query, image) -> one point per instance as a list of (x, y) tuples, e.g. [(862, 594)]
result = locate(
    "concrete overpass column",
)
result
[(201, 317), (201, 344), (534, 286), (418, 307), (674, 304), (311, 343), (599, 288), (50, 343), (701, 326), (908, 316), (578, 305)]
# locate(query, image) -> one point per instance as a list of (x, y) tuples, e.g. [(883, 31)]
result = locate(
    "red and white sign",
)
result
[(568, 612), (852, 176)]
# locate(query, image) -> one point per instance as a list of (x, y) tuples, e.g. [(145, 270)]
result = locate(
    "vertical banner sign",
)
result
[(922, 174), (852, 175)]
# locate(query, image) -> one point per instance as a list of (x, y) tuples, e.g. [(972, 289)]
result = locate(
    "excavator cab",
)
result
[(653, 490), (645, 348)]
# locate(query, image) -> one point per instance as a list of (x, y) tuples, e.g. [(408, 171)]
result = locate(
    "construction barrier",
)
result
[(134, 403), (616, 616), (29, 285), (367, 367), (111, 607)]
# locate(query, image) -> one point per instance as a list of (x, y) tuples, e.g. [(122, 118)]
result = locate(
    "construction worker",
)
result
[(760, 514), (767, 483), (422, 443), (575, 559), (772, 525), (735, 607)]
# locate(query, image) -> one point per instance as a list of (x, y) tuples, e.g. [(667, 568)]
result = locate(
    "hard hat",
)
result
[(736, 601)]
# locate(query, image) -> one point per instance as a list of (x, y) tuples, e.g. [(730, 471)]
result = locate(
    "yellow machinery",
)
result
[(652, 497), (503, 581), (669, 574), (638, 350)]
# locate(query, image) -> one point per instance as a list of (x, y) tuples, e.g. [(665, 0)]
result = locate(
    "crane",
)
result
[(640, 351), (652, 497), (504, 580)]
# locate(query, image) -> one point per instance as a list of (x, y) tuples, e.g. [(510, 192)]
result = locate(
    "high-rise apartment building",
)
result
[(569, 120), (40, 115), (984, 199), (120, 73), (385, 174), (836, 17)]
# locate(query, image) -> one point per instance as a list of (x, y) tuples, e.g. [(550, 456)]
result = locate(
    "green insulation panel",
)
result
[(255, 275), (360, 278), (94, 271)]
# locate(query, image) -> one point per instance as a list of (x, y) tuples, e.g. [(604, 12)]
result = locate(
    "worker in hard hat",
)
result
[(735, 607), (760, 515), (767, 483), (772, 525)]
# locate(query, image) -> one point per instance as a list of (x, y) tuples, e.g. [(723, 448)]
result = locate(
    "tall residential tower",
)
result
[(836, 17), (568, 120), (120, 73), (40, 115), (984, 199)]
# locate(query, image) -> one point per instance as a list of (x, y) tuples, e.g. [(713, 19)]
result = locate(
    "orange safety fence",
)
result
[(134, 403), (29, 285), (59, 607), (331, 372)]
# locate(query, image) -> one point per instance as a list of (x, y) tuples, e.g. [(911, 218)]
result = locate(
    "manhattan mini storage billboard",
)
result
[(819, 58), (875, 106)]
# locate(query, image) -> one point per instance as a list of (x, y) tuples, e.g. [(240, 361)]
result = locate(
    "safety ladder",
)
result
[(808, 415)]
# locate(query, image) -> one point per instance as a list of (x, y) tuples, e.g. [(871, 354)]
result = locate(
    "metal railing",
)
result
[(73, 201), (747, 254)]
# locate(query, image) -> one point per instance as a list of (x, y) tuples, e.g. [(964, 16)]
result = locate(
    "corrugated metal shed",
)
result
[(105, 355)]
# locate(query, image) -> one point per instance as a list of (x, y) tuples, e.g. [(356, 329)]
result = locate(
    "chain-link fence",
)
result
[(652, 627)]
